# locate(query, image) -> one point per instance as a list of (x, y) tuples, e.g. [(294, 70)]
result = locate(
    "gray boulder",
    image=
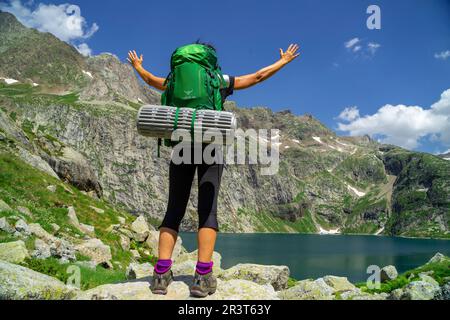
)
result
[(22, 227), (139, 271), (140, 229), (5, 226), (238, 289), (277, 276), (359, 295), (124, 242), (444, 293), (438, 257), (396, 294), (73, 220), (308, 290), (73, 168), (339, 284), (13, 252), (39, 232), (62, 249), (420, 290), (388, 273), (95, 249), (185, 268), (41, 250), (59, 248), (55, 227), (20, 283), (177, 290), (36, 162)]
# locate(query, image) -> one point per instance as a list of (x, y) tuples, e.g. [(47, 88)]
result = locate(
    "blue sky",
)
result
[(408, 67)]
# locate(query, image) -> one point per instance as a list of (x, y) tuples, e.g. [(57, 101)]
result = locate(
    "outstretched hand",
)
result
[(290, 54), (134, 59)]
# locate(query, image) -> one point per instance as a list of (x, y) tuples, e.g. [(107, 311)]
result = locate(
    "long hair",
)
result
[(209, 45)]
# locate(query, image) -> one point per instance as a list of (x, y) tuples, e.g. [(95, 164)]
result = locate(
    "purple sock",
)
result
[(204, 267), (162, 266)]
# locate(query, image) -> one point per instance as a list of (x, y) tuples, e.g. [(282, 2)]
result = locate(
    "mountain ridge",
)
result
[(85, 130)]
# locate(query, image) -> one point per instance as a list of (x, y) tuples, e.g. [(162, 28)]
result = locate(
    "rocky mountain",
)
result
[(73, 119), (446, 156)]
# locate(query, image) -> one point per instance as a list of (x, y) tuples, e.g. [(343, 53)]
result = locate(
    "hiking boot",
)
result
[(160, 282), (203, 285)]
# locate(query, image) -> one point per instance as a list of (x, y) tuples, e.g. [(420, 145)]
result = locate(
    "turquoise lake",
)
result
[(313, 256)]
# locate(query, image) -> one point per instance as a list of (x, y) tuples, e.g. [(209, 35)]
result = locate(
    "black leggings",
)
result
[(181, 177)]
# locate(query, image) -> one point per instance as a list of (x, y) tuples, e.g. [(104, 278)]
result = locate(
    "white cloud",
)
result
[(349, 114), (403, 125), (442, 55), (372, 47), (359, 47), (350, 43), (64, 21), (356, 48), (84, 49)]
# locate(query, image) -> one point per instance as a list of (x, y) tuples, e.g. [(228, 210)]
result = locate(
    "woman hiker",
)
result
[(209, 178)]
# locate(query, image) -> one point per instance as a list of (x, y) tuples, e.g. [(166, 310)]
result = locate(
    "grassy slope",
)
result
[(22, 185)]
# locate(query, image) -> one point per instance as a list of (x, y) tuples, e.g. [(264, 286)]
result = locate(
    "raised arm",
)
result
[(149, 78), (247, 81)]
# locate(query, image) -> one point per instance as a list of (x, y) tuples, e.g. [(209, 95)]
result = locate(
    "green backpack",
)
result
[(194, 81)]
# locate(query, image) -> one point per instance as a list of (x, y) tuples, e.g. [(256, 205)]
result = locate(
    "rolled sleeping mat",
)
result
[(159, 122)]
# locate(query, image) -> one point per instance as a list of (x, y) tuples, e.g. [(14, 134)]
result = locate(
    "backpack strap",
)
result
[(159, 147), (177, 115)]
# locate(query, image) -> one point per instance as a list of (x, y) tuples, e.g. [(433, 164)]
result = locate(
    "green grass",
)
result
[(23, 185), (90, 278), (265, 221), (291, 282), (440, 273)]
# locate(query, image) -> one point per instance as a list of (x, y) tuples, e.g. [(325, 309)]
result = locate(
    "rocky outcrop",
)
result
[(308, 290), (96, 250), (114, 81), (59, 248), (179, 290), (37, 162), (20, 283), (438, 258), (13, 252), (339, 284), (277, 276), (72, 167), (237, 289), (140, 228), (388, 273), (5, 226), (134, 291), (41, 250), (139, 271), (230, 285), (73, 220)]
